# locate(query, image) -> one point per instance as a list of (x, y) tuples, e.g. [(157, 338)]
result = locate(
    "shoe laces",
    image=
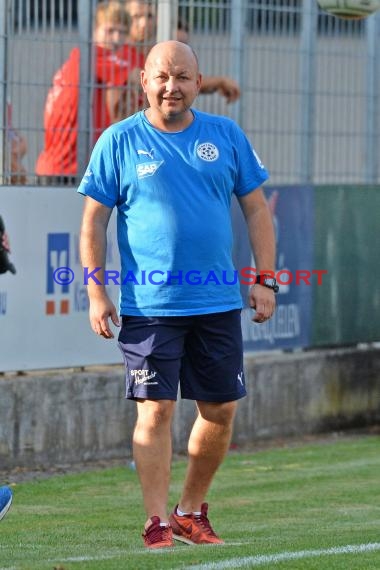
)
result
[(205, 523), (158, 533)]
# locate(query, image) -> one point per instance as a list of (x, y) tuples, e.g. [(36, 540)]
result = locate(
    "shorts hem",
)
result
[(135, 397), (218, 398)]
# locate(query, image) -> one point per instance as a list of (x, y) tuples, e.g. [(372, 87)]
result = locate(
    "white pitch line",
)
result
[(251, 561), (142, 550), (241, 562)]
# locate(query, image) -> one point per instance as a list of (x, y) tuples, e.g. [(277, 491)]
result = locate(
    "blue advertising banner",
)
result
[(290, 327)]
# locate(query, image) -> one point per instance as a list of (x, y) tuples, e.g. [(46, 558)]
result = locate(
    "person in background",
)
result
[(225, 86), (6, 497), (5, 250), (142, 35), (5, 242), (17, 148), (58, 159), (183, 31), (171, 172)]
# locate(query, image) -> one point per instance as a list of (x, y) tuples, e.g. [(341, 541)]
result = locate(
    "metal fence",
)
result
[(310, 83)]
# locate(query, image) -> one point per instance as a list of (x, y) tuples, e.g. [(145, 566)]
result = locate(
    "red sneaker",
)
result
[(157, 536), (194, 529)]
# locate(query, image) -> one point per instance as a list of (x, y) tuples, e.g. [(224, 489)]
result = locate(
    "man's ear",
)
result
[(143, 80), (199, 81)]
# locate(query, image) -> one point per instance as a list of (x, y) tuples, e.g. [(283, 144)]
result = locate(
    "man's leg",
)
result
[(152, 452), (208, 444)]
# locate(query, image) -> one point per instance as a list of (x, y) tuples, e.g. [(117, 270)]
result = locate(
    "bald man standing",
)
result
[(170, 171)]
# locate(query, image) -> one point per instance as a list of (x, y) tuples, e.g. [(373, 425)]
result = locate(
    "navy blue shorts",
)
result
[(201, 353)]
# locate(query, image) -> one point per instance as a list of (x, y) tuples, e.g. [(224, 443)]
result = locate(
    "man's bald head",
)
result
[(172, 50)]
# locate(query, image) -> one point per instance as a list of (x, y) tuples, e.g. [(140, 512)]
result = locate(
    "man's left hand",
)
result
[(263, 300)]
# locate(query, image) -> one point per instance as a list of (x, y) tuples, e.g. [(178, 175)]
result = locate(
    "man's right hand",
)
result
[(101, 309)]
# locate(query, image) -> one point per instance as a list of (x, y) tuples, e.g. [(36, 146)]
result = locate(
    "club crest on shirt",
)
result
[(148, 168), (207, 151)]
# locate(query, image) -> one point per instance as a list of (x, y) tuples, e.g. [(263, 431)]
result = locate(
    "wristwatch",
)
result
[(267, 281)]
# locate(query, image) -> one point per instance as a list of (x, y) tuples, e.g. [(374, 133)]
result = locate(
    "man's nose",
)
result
[(171, 84), (142, 22)]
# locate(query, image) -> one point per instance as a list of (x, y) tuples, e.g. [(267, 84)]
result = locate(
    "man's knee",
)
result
[(222, 413), (152, 414)]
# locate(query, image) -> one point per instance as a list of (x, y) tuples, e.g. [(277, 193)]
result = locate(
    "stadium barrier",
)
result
[(71, 416)]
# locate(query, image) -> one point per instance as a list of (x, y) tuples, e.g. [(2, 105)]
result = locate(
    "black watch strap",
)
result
[(267, 281)]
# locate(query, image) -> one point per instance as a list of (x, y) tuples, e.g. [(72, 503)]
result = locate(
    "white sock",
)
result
[(181, 513), (197, 513), (164, 524)]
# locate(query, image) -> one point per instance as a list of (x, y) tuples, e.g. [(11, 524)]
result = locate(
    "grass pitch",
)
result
[(314, 506)]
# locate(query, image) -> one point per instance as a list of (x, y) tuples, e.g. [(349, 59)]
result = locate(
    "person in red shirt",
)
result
[(111, 74)]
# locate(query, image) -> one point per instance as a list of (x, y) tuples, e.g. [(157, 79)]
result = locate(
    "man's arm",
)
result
[(223, 85), (5, 242), (124, 100), (92, 244), (263, 243)]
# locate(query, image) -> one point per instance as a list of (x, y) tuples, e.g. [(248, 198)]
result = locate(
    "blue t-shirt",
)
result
[(173, 193)]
